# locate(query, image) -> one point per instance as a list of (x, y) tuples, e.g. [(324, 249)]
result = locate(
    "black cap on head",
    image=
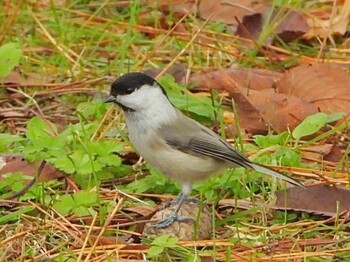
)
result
[(127, 83)]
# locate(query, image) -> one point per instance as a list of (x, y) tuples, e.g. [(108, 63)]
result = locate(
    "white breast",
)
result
[(177, 165)]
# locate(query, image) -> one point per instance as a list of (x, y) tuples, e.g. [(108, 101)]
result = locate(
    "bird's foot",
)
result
[(167, 221), (176, 201)]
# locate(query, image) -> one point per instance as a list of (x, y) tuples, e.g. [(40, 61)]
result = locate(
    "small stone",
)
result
[(183, 230)]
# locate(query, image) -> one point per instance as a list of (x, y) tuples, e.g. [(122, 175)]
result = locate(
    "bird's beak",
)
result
[(110, 99)]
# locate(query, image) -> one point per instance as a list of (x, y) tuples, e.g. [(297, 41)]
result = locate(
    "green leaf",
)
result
[(310, 125), (271, 140), (111, 160), (105, 148), (194, 257), (79, 203), (334, 117), (10, 55), (85, 198), (291, 217), (83, 164), (14, 181), (165, 241), (64, 164), (14, 215), (83, 211), (7, 138), (155, 182), (202, 106), (197, 105), (64, 205), (288, 157), (155, 251), (37, 128), (95, 108)]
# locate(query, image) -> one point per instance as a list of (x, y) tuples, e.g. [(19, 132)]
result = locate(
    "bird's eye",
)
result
[(128, 91)]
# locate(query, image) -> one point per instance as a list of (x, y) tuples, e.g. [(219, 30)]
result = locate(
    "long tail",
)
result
[(274, 173)]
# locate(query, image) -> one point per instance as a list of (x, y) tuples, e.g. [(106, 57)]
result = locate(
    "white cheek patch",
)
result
[(142, 98)]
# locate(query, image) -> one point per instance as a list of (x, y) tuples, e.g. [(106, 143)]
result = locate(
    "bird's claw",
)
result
[(165, 222)]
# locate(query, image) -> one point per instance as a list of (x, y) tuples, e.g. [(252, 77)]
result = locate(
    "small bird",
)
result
[(178, 146)]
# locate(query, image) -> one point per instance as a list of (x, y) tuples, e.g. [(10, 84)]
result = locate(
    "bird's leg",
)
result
[(177, 199), (165, 222)]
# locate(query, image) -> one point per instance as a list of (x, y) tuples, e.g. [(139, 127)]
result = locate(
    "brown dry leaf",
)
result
[(325, 86), (292, 27), (257, 102), (280, 111), (251, 26), (249, 118), (229, 79), (316, 152), (319, 149), (15, 163), (179, 7), (321, 200), (302, 91), (178, 71), (329, 22), (335, 154), (226, 10), (16, 77), (147, 18), (142, 210)]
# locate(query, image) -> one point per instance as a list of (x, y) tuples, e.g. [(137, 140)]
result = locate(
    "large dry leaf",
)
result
[(258, 105), (324, 200), (302, 91), (226, 10), (325, 86), (229, 79), (280, 111), (249, 118), (17, 164), (329, 22)]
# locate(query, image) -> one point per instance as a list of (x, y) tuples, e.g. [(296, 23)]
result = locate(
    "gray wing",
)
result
[(187, 135)]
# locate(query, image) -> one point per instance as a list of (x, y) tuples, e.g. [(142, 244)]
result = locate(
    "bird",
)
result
[(179, 147)]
